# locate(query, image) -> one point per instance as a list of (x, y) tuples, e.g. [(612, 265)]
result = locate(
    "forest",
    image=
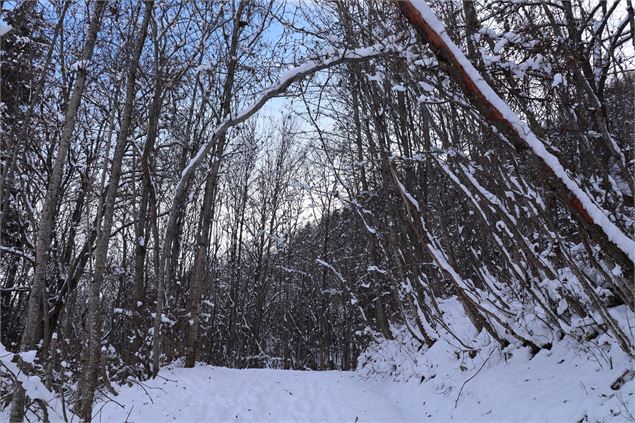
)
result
[(289, 185)]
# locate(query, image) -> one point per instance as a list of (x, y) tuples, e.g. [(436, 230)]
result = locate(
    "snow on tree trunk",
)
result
[(595, 220)]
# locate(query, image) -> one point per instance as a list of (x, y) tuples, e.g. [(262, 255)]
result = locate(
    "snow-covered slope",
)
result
[(569, 383)]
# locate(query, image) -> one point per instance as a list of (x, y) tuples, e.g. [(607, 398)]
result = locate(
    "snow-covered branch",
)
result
[(33, 385), (17, 252), (307, 68)]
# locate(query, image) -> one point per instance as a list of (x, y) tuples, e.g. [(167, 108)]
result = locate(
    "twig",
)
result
[(146, 390), (129, 412), (456, 402), (165, 378)]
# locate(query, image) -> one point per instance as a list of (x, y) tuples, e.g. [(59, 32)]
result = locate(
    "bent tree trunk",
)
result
[(592, 219)]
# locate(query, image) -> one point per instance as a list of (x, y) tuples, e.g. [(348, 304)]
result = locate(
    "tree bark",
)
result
[(141, 235), (591, 219), (33, 326), (207, 210), (103, 236)]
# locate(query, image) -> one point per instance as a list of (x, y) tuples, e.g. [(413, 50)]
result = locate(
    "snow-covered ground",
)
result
[(556, 386), (568, 383), (398, 382), (217, 394)]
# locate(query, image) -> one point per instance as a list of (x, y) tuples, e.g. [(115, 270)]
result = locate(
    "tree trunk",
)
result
[(207, 210), (590, 217), (103, 236), (33, 326), (141, 235)]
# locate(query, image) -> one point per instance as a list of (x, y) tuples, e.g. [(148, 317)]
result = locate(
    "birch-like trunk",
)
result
[(103, 236), (33, 326)]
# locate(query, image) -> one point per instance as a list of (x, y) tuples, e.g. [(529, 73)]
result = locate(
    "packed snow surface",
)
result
[(217, 394)]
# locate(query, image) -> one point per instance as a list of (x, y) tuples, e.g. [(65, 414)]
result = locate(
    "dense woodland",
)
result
[(255, 183)]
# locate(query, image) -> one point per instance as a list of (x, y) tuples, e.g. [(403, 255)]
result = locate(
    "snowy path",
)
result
[(399, 382), (216, 394)]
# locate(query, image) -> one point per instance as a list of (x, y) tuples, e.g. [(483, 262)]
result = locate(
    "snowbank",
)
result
[(569, 383)]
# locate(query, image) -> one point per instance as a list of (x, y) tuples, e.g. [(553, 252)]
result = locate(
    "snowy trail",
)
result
[(216, 394), (397, 381)]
